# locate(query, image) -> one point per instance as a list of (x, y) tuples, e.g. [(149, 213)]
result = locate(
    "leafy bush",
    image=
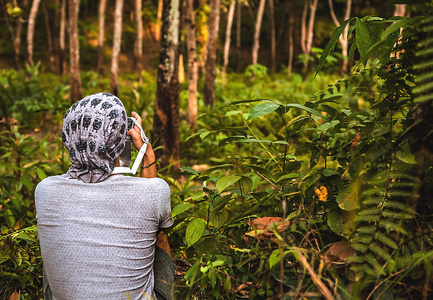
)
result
[(24, 98), (322, 198), (20, 264)]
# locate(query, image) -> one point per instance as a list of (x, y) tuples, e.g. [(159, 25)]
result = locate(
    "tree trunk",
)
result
[(307, 33), (74, 52), (343, 38), (400, 10), (192, 63), (17, 38), (62, 29), (117, 41), (138, 38), (209, 82), (291, 46), (166, 117), (31, 30), (49, 34), (159, 21), (228, 40), (238, 34), (273, 47), (101, 32), (256, 42)]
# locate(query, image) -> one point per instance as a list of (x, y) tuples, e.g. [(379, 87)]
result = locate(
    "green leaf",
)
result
[(275, 258), (406, 157), (341, 222), (261, 110), (194, 231), (180, 208), (310, 110), (348, 199), (228, 285), (394, 27), (9, 218), (4, 230), (226, 181), (212, 278), (246, 183), (233, 112), (328, 172), (221, 202), (328, 125), (264, 172), (189, 170), (218, 218), (362, 37), (288, 177), (41, 173), (386, 240), (329, 48), (210, 170), (26, 236)]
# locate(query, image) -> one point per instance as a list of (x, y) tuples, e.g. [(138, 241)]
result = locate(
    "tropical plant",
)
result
[(346, 172)]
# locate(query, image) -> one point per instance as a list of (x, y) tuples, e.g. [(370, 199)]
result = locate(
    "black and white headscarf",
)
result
[(94, 132)]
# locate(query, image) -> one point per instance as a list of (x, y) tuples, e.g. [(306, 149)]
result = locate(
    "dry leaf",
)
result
[(264, 227)]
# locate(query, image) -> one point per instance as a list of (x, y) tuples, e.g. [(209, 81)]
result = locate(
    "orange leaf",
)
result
[(322, 193)]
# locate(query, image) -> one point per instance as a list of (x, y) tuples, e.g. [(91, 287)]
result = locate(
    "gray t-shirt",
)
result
[(98, 239)]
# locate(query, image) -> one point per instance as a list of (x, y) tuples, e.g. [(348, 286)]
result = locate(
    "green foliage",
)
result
[(24, 97), (24, 162), (20, 264), (343, 168)]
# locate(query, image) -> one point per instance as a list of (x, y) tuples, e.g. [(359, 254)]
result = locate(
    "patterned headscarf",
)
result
[(94, 132)]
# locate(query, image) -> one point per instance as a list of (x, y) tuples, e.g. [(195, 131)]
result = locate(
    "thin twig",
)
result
[(322, 287)]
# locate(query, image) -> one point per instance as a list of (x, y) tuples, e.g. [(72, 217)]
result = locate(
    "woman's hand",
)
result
[(149, 156)]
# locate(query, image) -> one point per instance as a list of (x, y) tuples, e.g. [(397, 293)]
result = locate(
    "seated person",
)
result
[(100, 233)]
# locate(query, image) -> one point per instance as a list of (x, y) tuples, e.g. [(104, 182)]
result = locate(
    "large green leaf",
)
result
[(218, 218), (194, 231), (226, 181), (362, 37), (180, 208), (341, 222), (261, 110)]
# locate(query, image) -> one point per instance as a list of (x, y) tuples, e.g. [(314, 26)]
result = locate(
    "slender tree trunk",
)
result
[(166, 117), (307, 33), (17, 38), (256, 42), (101, 33), (343, 38), (192, 63), (31, 30), (49, 34), (15, 34), (291, 46), (159, 22), (400, 10), (117, 41), (238, 34), (228, 40), (62, 30), (139, 38), (74, 52), (273, 46), (209, 82)]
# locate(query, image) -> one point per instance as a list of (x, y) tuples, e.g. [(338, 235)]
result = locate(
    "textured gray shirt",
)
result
[(98, 239)]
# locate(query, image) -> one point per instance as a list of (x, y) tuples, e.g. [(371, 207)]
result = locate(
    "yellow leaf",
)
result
[(322, 193)]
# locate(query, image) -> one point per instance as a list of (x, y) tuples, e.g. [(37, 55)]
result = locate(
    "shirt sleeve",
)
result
[(165, 219)]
